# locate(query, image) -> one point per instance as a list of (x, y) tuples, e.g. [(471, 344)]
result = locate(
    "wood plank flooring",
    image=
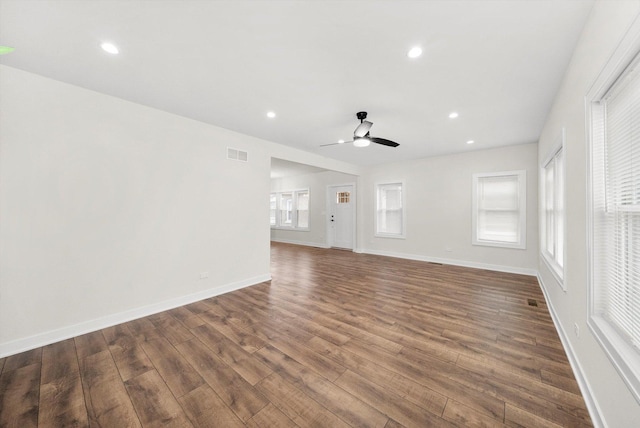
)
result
[(336, 339)]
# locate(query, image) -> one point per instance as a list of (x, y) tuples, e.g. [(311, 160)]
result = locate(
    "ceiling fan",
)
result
[(361, 137)]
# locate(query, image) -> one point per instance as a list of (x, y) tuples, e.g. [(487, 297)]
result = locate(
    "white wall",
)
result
[(605, 390), (110, 210), (317, 184), (438, 207)]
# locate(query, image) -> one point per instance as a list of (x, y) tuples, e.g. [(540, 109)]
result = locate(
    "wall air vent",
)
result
[(236, 154)]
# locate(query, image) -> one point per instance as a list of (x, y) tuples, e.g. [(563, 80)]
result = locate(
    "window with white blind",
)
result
[(499, 209), (302, 209), (390, 221), (290, 210), (552, 218), (614, 218), (286, 209), (273, 205)]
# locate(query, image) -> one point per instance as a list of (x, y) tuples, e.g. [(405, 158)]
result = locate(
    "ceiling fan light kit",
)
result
[(361, 137), (361, 142)]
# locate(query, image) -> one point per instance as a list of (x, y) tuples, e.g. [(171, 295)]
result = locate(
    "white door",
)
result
[(341, 213)]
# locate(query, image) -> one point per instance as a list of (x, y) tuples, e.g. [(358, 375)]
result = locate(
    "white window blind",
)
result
[(552, 221), (286, 209), (272, 209), (499, 204), (302, 205), (616, 207), (389, 210)]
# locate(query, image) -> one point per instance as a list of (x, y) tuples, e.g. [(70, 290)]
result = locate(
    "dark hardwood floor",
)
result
[(336, 339)]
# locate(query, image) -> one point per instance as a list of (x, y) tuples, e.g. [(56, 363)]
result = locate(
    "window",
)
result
[(286, 209), (292, 210), (614, 218), (343, 197), (499, 209), (552, 219), (302, 211), (390, 210), (273, 208)]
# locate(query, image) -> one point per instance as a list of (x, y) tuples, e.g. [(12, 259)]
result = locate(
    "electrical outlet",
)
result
[(204, 275), (576, 329)]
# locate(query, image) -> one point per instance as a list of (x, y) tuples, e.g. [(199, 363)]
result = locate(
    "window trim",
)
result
[(555, 268), (403, 233), (522, 210), (294, 210), (624, 358)]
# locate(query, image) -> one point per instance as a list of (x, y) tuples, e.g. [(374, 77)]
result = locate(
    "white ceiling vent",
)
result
[(235, 154)]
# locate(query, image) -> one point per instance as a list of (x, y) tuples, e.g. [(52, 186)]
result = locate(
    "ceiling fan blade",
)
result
[(335, 144), (384, 142), (362, 129)]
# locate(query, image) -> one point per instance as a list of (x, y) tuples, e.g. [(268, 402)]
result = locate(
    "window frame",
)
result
[(377, 188), (293, 223), (624, 357), (559, 199), (521, 243)]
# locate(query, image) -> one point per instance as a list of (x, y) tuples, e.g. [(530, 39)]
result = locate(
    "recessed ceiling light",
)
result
[(453, 115), (271, 114), (110, 48), (470, 142), (340, 141), (415, 52)]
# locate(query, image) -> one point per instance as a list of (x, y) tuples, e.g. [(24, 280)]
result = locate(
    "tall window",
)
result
[(273, 205), (499, 209), (614, 309), (552, 221), (302, 209), (390, 210), (292, 210), (286, 209)]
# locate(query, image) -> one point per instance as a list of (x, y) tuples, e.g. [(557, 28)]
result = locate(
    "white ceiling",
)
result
[(315, 63)]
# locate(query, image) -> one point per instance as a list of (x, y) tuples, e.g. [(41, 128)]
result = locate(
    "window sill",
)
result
[(624, 357), (383, 235), (517, 246), (297, 229)]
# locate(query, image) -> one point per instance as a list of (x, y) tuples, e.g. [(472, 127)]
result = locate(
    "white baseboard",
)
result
[(583, 384), (455, 262), (48, 337), (305, 243)]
